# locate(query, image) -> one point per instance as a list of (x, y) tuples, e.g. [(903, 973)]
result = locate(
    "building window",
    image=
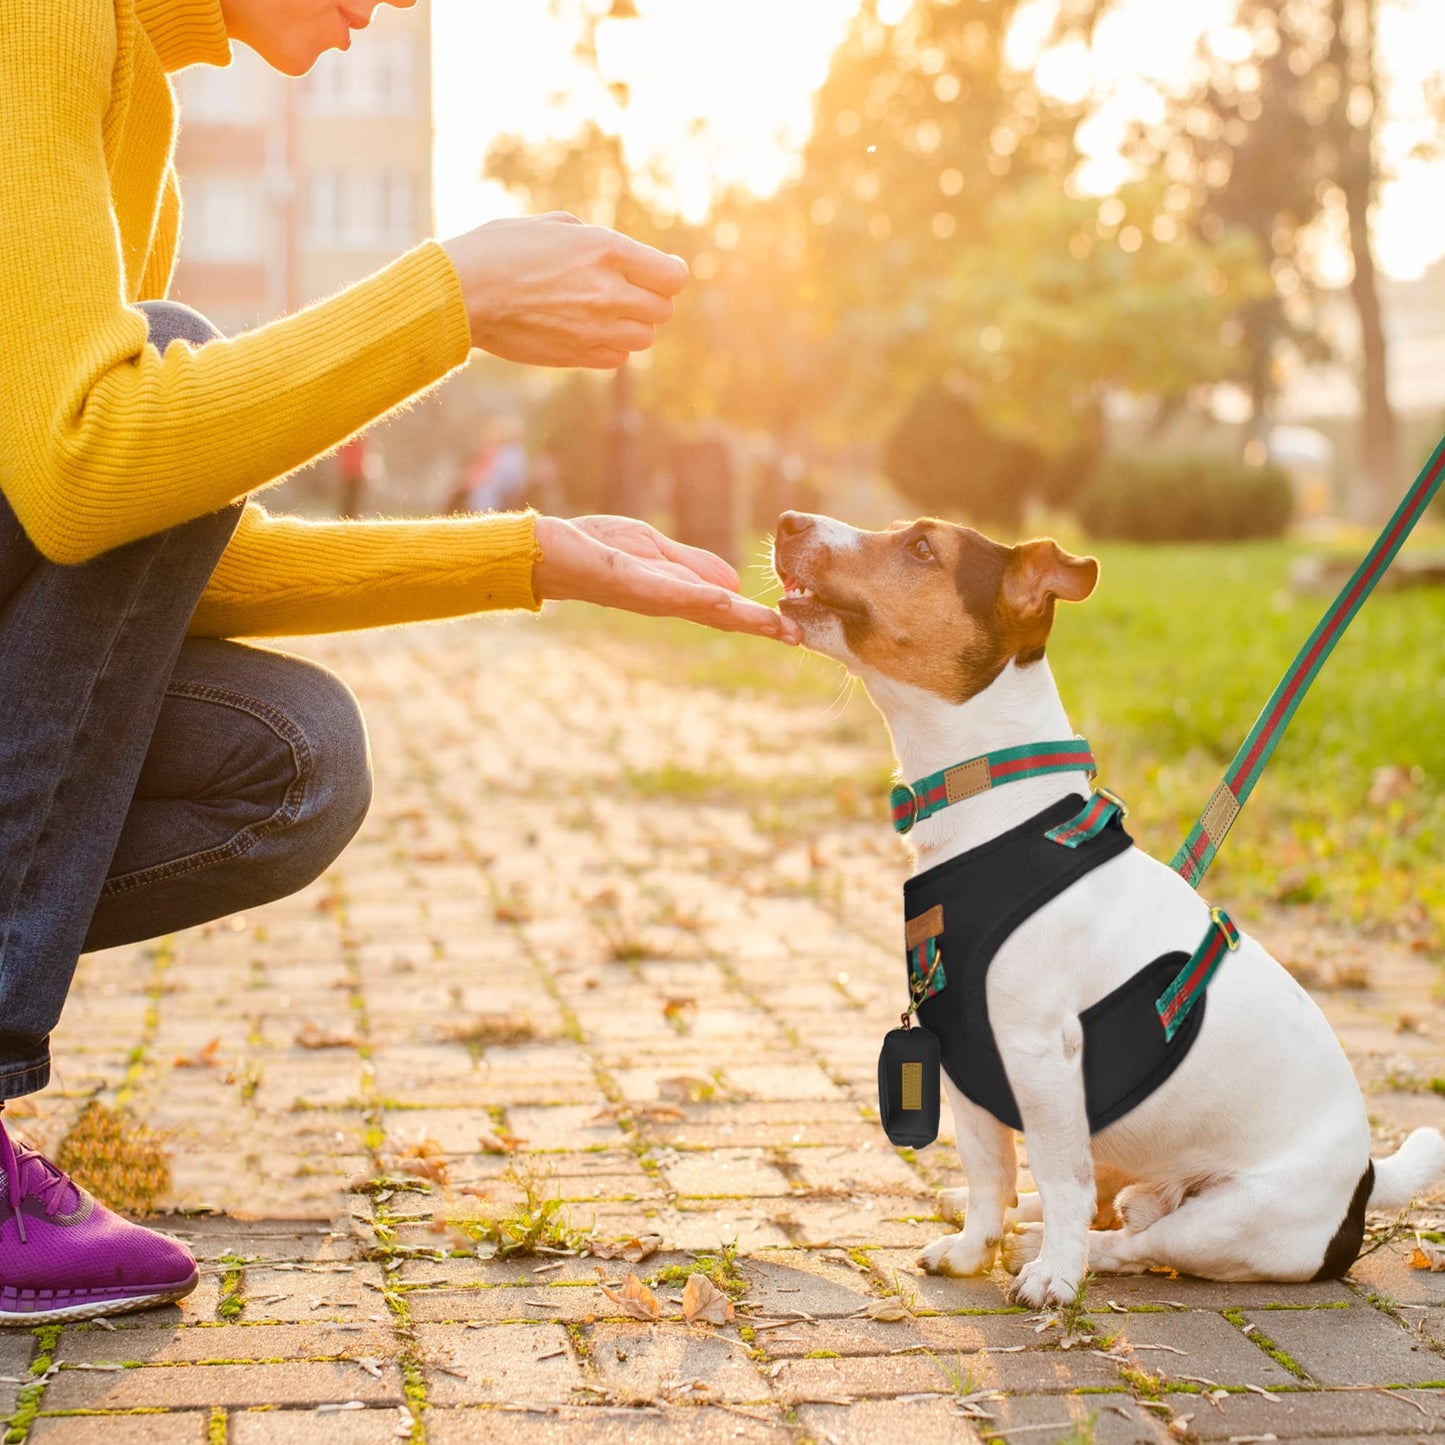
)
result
[(379, 78), (237, 94), (224, 219), (360, 210)]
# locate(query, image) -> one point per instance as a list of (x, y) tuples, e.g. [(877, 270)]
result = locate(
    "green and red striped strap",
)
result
[(1197, 852), (912, 802), (1173, 1005)]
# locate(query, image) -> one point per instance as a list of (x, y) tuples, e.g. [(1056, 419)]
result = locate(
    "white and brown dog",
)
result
[(1251, 1160)]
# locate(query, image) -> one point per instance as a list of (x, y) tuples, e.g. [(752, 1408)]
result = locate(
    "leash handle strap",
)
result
[(1198, 850)]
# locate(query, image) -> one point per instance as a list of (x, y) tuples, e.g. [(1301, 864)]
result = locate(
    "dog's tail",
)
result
[(1419, 1161)]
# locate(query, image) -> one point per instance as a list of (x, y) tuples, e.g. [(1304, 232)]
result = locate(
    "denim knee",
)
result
[(339, 783)]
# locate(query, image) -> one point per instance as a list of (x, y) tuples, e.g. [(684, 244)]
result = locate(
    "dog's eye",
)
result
[(920, 549)]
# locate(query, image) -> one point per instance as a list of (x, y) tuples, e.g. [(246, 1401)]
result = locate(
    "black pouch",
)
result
[(908, 1086)]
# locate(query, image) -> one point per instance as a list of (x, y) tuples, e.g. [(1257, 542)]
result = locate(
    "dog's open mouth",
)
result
[(798, 595)]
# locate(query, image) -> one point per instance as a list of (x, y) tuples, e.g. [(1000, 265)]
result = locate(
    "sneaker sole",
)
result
[(91, 1309)]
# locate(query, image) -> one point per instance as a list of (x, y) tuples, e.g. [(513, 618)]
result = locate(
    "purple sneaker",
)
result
[(65, 1256)]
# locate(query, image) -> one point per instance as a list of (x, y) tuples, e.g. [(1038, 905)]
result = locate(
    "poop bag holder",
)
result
[(908, 1075)]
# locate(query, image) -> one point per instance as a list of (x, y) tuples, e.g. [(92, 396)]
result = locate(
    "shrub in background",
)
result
[(1185, 499)]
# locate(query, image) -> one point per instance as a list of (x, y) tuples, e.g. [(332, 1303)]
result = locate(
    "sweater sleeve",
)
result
[(103, 439), (283, 576)]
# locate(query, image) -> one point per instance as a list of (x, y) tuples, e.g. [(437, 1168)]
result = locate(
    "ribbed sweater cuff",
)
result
[(186, 32)]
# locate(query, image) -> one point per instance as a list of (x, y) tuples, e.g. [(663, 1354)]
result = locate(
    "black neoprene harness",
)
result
[(984, 895)]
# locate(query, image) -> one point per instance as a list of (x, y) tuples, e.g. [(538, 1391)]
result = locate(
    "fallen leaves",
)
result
[(686, 1089), (309, 1036), (500, 1142), (633, 1250), (634, 1297), (426, 1160), (206, 1057), (890, 1310), (1427, 1256), (703, 1300)]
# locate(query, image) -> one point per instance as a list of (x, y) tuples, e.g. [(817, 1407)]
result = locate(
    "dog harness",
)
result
[(961, 912)]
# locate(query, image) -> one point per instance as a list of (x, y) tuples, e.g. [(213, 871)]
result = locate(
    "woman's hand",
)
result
[(549, 291), (621, 562)]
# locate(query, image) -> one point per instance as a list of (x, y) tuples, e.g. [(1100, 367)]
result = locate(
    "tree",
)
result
[(1275, 140)]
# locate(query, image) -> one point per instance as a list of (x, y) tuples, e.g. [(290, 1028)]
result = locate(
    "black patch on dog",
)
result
[(978, 574), (1344, 1248)]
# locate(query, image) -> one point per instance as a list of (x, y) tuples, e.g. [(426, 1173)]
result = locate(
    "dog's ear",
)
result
[(1037, 573)]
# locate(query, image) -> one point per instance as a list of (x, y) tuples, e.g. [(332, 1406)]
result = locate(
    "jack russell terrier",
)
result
[(1250, 1160)]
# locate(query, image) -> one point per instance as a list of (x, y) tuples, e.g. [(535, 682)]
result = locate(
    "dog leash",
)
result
[(1199, 848)]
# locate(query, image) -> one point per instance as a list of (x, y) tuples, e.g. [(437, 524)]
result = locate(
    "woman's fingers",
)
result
[(652, 269)]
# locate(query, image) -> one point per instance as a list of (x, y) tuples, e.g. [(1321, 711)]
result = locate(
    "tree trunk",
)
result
[(1377, 485)]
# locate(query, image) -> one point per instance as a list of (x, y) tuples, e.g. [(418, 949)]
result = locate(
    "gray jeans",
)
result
[(148, 782)]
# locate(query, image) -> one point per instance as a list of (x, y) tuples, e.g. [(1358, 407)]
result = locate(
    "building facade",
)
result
[(291, 189)]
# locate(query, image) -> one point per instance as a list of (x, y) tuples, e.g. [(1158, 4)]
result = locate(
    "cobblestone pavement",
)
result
[(652, 931)]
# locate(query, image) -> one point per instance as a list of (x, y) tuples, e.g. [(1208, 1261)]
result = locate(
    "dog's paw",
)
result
[(956, 1255), (1022, 1245), (953, 1204), (1040, 1284)]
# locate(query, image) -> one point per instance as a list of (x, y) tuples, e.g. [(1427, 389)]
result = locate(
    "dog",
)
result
[(1251, 1161)]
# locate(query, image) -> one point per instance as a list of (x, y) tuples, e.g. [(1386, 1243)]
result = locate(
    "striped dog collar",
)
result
[(912, 802)]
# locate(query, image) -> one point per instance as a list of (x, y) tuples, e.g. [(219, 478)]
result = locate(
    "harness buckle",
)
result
[(903, 825), (1225, 924), (1110, 796)]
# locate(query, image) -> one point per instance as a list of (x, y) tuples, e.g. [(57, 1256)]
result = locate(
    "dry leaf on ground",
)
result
[(427, 1160), (890, 1310), (633, 1250), (703, 1300), (686, 1089), (308, 1036), (1427, 1256), (634, 1297), (204, 1058), (500, 1143)]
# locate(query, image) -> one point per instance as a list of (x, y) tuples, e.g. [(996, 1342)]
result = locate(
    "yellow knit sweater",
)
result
[(104, 440)]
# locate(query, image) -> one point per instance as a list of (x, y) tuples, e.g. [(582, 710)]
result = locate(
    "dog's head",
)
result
[(927, 603)]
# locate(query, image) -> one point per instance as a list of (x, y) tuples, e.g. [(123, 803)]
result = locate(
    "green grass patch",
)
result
[(722, 1269)]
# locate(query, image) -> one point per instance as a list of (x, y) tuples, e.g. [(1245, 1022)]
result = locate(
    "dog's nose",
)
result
[(793, 524)]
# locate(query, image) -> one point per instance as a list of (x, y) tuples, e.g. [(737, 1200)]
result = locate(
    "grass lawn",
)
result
[(1164, 670)]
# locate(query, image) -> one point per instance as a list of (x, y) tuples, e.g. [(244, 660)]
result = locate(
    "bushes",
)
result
[(1185, 499)]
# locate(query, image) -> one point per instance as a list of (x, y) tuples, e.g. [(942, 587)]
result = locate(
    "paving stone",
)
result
[(534, 1364), (346, 1292), (1386, 1272), (223, 1342), (1107, 1419), (181, 1428), (870, 1421), (801, 1279), (725, 1173), (645, 1362), (1211, 1346), (1160, 1289), (1351, 1347), (698, 1425), (1315, 1414), (374, 1426), (176, 1387)]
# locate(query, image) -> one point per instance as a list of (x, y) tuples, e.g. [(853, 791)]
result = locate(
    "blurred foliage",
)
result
[(930, 240), (1185, 499)]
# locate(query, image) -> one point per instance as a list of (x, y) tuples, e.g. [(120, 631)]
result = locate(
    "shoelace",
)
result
[(49, 1191)]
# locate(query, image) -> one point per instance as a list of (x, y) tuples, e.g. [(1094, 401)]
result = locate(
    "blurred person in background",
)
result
[(154, 774)]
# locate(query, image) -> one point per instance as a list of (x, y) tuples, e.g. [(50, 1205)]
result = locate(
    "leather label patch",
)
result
[(967, 779), (925, 926), (912, 1086), (1223, 809)]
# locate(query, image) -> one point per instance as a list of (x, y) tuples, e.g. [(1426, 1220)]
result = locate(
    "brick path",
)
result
[(580, 915)]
